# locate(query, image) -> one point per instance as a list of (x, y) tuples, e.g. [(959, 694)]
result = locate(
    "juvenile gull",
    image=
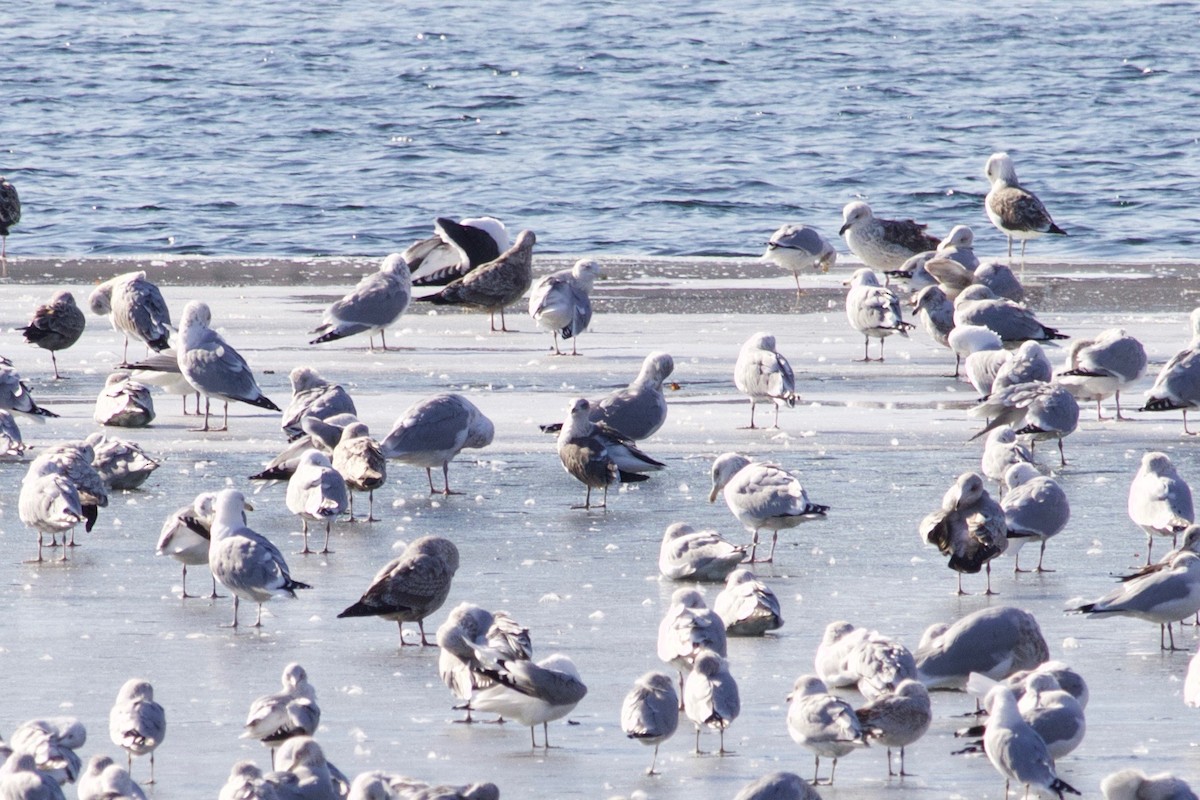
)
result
[(455, 249), (1177, 386), (495, 284), (710, 695), (1037, 410), (136, 723), (1013, 323), (431, 432), (873, 310), (316, 492), (1014, 210), (49, 504), (246, 562), (1160, 500), (1035, 507), (969, 527), (764, 375), (211, 365), (995, 642), (532, 693), (1100, 367), (10, 215), (375, 303), (650, 712), (799, 247), (313, 396), (747, 606), (638, 410), (560, 302), (597, 456), (1000, 451), (360, 461), (689, 554), (411, 586), (1165, 596), (897, 719), (122, 465), (15, 396), (186, 533), (822, 723), (1133, 784), (1015, 748), (882, 243), (778, 786), (124, 403), (56, 326), (292, 711), (103, 779), (761, 496), (136, 308)]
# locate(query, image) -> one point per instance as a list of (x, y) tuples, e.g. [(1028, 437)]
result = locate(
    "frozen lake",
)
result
[(879, 443)]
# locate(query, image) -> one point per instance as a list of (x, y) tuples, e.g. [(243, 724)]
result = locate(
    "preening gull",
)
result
[(304, 770), (122, 465), (1134, 784), (692, 555), (1028, 363), (873, 310), (73, 461), (710, 695), (597, 456), (52, 743), (10, 215), (764, 375), (1177, 386), (560, 302), (360, 461), (124, 402), (1015, 211), (638, 410), (322, 434), (883, 243), (969, 527), (1035, 507), (292, 711), (468, 631), (316, 492), (246, 782), (103, 779), (897, 719), (762, 496), (936, 313), (494, 285), (747, 606), (981, 353), (136, 723), (455, 249), (1015, 748), (880, 664), (56, 325), (313, 396), (19, 778), (1037, 410), (375, 303), (185, 536), (136, 308), (1103, 366), (995, 642), (799, 247), (532, 693), (1160, 500), (650, 712), (1164, 596), (823, 723), (431, 432), (49, 504)]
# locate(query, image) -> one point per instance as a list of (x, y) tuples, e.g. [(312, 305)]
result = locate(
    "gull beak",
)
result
[(843, 229), (712, 496)]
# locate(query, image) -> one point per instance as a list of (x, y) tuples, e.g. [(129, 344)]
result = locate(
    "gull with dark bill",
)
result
[(883, 243), (1014, 210), (597, 456), (799, 247), (494, 285), (56, 326), (375, 303)]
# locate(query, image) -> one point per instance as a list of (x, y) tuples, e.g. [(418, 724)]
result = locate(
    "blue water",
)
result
[(266, 128)]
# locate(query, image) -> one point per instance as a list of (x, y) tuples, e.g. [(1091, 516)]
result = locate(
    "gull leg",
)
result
[(424, 642), (371, 506), (328, 525), (989, 579), (185, 595), (653, 761), (960, 589), (446, 480), (429, 475), (233, 624), (1042, 555), (214, 594), (258, 619), (774, 541), (54, 361), (304, 524), (1062, 458)]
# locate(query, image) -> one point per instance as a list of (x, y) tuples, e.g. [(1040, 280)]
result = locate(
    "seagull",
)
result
[(897, 719), (1067, 679), (186, 533), (52, 743), (431, 432), (1037, 410), (73, 461), (880, 664), (747, 606), (323, 435), (1133, 784), (213, 367), (1035, 507), (10, 215), (1015, 211), (799, 247), (1015, 748), (292, 711), (981, 353), (1054, 713), (411, 586), (360, 461), (495, 284), (246, 782), (468, 631), (995, 642), (560, 302), (313, 396), (49, 504), (105, 780), (650, 712), (883, 243), (597, 456), (316, 492), (15, 396), (11, 444), (1160, 500), (1000, 451), (1178, 383), (124, 403), (532, 693), (375, 303), (822, 723), (778, 786), (136, 308), (1013, 323), (246, 562), (305, 772), (832, 661), (19, 778), (1103, 366), (56, 325), (688, 627), (638, 410), (122, 465), (761, 496), (936, 313), (763, 374), (689, 554), (162, 370), (136, 723), (873, 310), (1025, 365), (959, 246), (1164, 596), (455, 249), (710, 695)]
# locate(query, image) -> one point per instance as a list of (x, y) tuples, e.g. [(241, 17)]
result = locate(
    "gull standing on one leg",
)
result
[(765, 375), (873, 310), (799, 247)]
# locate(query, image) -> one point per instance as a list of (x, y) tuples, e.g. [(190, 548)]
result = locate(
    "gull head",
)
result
[(854, 213), (1000, 170)]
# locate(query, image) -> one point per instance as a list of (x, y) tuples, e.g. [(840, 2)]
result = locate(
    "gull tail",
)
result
[(262, 401), (1059, 786), (553, 427), (1162, 404), (360, 609), (631, 477), (1055, 229), (292, 586), (159, 344)]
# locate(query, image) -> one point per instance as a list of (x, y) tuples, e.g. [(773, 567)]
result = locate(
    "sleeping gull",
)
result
[(959, 246), (56, 325), (52, 743), (882, 243), (761, 496), (103, 779), (122, 465), (778, 786), (213, 367), (185, 536), (292, 711), (136, 723), (1013, 323), (411, 586), (19, 778), (650, 712), (995, 642), (246, 562), (692, 555), (431, 432), (316, 492), (832, 661), (597, 456), (638, 410), (1164, 596), (15, 396), (136, 308), (1067, 679), (1015, 748), (1028, 363), (764, 375), (1177, 386), (710, 695), (1134, 784), (49, 503), (1035, 507), (1000, 451), (873, 310), (375, 303), (799, 247), (124, 402), (455, 249), (1160, 500), (532, 693), (687, 627), (897, 719), (747, 606), (494, 285), (560, 302), (822, 723), (10, 215), (304, 770), (1055, 714), (880, 664), (359, 459), (1103, 366), (1037, 410), (1015, 211), (313, 396)]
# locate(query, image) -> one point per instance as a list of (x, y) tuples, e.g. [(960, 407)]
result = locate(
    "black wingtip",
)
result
[(1055, 229), (273, 474), (298, 585), (159, 344), (262, 401), (632, 477), (359, 609), (553, 427), (331, 336), (1161, 404), (90, 514)]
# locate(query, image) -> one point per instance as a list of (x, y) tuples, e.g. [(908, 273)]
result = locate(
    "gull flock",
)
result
[(865, 689)]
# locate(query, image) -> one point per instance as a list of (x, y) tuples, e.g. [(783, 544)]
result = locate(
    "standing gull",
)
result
[(313, 396), (290, 712), (981, 353), (136, 308), (799, 247), (495, 284), (995, 642), (597, 456), (1164, 596), (1013, 323), (359, 459), (468, 631), (431, 432), (650, 712), (213, 366), (823, 723), (1160, 500), (410, 587), (162, 370), (124, 403), (560, 302), (883, 243), (638, 410), (764, 375), (897, 719), (692, 555), (710, 695), (1037, 410), (1015, 748), (747, 606), (10, 215), (1100, 367), (1177, 386), (375, 303), (49, 504), (1015, 211), (1035, 507), (316, 492), (936, 313), (56, 326), (873, 310), (136, 723), (73, 461), (15, 396), (688, 627), (532, 693), (762, 496), (1000, 451), (455, 249), (185, 536)]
